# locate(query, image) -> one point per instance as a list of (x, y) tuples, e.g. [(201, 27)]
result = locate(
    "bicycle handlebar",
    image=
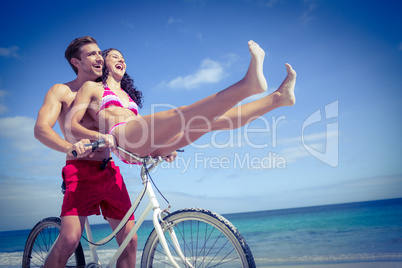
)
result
[(95, 145), (145, 160)]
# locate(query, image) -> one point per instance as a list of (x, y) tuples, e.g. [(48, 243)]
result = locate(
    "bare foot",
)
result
[(286, 89), (254, 79)]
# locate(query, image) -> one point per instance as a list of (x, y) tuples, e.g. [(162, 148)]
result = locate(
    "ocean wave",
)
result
[(106, 254), (14, 259), (11, 260)]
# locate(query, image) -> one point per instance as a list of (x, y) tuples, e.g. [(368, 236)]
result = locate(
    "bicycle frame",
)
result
[(153, 204), (205, 237)]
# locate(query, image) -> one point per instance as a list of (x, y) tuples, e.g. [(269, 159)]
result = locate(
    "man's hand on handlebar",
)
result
[(80, 149), (85, 147)]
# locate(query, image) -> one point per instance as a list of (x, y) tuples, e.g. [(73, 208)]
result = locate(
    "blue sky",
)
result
[(339, 143)]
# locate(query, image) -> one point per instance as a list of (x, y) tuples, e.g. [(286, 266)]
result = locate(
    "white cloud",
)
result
[(307, 13), (309, 138), (229, 59), (3, 108), (24, 202), (3, 93), (369, 188), (26, 156), (127, 24), (293, 154), (173, 20), (209, 72), (199, 36), (20, 131), (11, 52), (271, 3), (317, 141)]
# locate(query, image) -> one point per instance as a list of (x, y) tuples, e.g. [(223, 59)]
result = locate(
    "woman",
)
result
[(164, 132)]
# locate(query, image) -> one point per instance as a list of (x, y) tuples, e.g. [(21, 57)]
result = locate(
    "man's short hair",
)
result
[(74, 49)]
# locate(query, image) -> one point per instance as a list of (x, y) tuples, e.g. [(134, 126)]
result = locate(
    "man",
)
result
[(85, 58)]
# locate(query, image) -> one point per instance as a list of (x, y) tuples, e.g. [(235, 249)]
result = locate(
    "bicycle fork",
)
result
[(159, 231), (173, 237), (177, 245)]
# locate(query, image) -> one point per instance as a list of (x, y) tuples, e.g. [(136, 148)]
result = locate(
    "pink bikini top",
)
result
[(110, 99)]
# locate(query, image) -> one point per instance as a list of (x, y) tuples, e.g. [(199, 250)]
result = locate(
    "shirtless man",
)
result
[(85, 58)]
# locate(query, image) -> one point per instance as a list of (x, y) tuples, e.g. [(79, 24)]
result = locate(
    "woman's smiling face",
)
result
[(115, 64)]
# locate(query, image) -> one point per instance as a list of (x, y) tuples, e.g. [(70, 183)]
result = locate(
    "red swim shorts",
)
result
[(89, 188)]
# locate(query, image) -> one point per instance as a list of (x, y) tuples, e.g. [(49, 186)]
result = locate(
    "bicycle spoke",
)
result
[(202, 245), (40, 242)]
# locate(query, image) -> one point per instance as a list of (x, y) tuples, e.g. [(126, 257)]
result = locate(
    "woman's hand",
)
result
[(110, 141), (170, 157)]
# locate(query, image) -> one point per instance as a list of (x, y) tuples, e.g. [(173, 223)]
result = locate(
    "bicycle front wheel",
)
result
[(40, 241), (206, 240)]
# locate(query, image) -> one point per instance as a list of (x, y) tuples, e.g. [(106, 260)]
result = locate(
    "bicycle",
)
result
[(191, 237)]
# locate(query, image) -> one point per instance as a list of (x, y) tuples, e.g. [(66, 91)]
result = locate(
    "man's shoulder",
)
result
[(68, 91), (61, 93), (88, 85), (91, 88), (61, 88)]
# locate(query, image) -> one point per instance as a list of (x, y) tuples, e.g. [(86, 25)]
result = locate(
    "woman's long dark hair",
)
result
[(127, 83)]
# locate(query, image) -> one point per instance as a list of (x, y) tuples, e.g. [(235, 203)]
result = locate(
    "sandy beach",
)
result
[(345, 265)]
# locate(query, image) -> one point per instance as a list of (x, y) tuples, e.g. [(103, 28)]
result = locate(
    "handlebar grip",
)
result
[(95, 145)]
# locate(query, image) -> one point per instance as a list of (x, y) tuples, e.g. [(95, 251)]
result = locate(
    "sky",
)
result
[(340, 142)]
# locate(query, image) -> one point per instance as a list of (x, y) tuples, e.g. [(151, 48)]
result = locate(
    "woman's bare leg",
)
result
[(144, 135), (244, 114), (237, 116)]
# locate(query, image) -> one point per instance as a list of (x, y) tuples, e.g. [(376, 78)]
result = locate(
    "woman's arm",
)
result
[(82, 104), (84, 101)]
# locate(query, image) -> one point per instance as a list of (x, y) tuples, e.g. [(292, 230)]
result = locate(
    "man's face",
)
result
[(91, 62)]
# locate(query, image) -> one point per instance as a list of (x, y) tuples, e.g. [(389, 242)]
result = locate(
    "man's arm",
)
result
[(47, 118)]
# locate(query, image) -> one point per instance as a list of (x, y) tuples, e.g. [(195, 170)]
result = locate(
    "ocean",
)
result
[(343, 233)]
